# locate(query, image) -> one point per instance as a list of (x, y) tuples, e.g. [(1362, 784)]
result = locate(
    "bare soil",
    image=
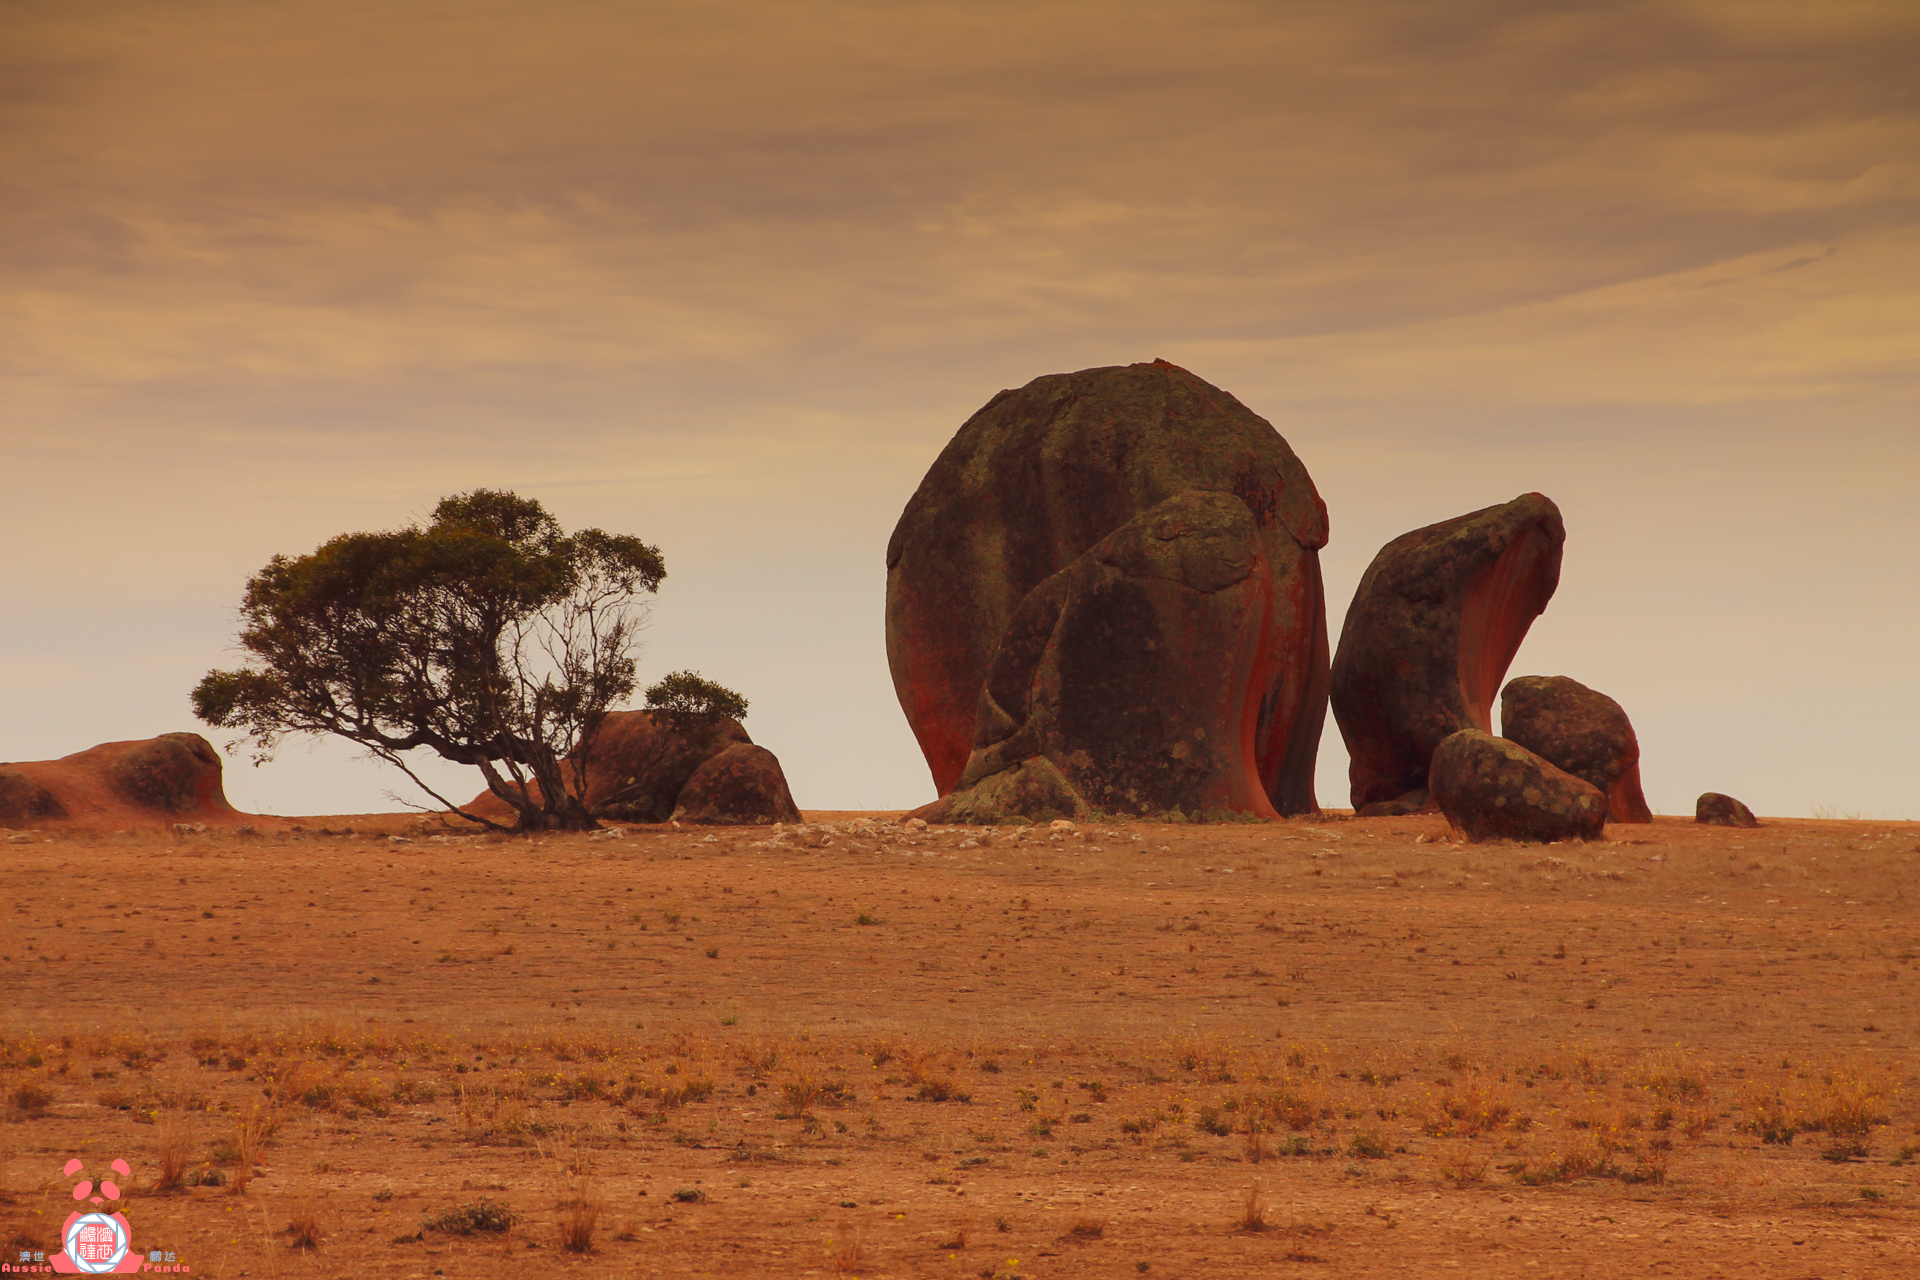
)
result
[(1686, 1051)]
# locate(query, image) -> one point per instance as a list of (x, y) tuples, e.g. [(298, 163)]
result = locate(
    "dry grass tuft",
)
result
[(579, 1216), (1087, 1228), (173, 1147), (843, 1250), (1253, 1211), (303, 1228)]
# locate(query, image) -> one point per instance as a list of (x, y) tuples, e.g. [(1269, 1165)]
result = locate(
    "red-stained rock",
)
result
[(23, 802), (1493, 789), (1131, 674), (175, 777), (642, 763), (1582, 731), (1433, 626), (1021, 495), (1717, 810), (742, 785)]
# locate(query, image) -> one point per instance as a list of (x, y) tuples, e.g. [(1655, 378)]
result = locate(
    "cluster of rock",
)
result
[(648, 767), (175, 778), (1434, 625), (1105, 596)]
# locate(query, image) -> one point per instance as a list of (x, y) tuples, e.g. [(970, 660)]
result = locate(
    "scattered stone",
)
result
[(1582, 731), (1717, 810), (1114, 572), (1493, 789), (1432, 629)]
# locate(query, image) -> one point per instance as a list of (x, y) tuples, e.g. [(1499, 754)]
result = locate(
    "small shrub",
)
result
[(303, 1229), (32, 1097), (471, 1219), (1368, 1145), (1087, 1228)]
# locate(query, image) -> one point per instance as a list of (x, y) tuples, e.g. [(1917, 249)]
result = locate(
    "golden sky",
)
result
[(728, 274)]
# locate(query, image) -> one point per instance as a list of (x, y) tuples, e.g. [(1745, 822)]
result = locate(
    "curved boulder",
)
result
[(1431, 631), (995, 554), (1717, 810), (741, 786), (1582, 731), (1493, 789)]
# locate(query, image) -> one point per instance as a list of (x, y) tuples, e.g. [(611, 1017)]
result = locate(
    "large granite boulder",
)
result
[(1493, 789), (642, 762), (996, 551), (741, 786), (1131, 680), (176, 777), (1717, 810), (1433, 626), (1582, 731)]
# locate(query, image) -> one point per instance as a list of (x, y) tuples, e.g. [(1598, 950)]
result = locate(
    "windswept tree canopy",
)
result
[(490, 636)]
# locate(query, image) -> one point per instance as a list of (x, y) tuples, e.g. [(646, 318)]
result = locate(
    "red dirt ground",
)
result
[(896, 1055)]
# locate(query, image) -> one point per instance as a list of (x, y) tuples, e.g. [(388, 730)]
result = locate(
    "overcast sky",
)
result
[(728, 275)]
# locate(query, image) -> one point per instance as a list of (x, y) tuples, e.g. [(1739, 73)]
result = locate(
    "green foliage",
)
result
[(686, 699), (490, 636)]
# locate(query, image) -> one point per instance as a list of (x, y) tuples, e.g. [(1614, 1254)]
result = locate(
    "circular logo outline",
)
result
[(122, 1239)]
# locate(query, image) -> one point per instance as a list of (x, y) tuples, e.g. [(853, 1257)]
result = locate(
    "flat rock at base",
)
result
[(1493, 789), (1432, 628), (1034, 790), (1717, 810), (741, 786), (1582, 731), (1416, 801)]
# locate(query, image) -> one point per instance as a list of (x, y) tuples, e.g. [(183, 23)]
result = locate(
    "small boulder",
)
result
[(1493, 789), (741, 786), (1582, 731), (1717, 810)]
